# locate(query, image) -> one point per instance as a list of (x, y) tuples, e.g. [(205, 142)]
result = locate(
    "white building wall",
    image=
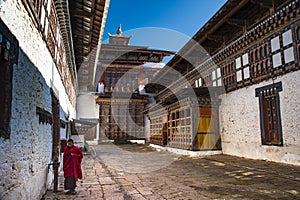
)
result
[(240, 122), (147, 128), (87, 108), (25, 156), (147, 121)]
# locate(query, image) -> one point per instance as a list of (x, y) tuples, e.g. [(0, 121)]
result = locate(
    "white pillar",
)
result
[(87, 108), (147, 128)]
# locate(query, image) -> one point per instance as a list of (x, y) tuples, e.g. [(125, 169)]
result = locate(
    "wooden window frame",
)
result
[(270, 118), (8, 58), (297, 33)]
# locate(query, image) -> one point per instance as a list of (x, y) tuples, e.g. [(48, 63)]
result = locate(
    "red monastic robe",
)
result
[(72, 164)]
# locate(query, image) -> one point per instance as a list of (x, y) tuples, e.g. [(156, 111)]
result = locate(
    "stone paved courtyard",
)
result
[(141, 172)]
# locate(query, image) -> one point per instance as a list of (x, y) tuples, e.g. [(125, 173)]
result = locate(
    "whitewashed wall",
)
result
[(87, 108), (240, 122), (26, 155), (147, 128)]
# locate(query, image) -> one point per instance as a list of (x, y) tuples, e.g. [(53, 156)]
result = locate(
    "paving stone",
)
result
[(137, 197), (97, 194), (124, 182), (154, 197), (144, 190), (130, 192), (106, 181), (212, 177), (114, 196), (110, 188)]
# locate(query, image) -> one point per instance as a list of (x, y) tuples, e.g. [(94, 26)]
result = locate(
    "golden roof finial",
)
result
[(119, 32)]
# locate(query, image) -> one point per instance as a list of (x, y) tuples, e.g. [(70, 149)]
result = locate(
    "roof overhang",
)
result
[(88, 18), (235, 18), (63, 13)]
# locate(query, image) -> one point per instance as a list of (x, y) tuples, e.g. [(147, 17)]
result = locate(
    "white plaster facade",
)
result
[(87, 108), (25, 156), (240, 122)]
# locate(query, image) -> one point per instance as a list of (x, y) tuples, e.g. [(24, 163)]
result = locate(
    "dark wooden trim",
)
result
[(263, 108), (9, 58), (45, 117), (55, 126), (278, 87)]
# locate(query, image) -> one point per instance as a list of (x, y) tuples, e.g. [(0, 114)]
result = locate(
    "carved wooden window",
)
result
[(298, 33), (266, 50), (282, 49), (287, 40), (270, 120), (253, 57), (256, 55), (198, 83), (8, 58), (44, 17), (242, 67), (216, 77), (38, 10), (298, 41), (245, 63), (228, 74), (206, 79)]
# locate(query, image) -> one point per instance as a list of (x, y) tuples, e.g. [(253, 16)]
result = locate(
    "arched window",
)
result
[(266, 50), (254, 70), (256, 55), (267, 65), (252, 57), (259, 68), (261, 52), (263, 67)]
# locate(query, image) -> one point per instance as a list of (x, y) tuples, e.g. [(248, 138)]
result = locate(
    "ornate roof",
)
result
[(118, 51)]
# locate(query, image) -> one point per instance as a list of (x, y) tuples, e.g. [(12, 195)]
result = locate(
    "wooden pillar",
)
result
[(55, 138)]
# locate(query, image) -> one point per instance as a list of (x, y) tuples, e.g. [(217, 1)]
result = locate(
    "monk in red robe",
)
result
[(72, 166)]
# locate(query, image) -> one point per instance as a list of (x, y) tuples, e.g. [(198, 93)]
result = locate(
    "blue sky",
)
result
[(159, 24)]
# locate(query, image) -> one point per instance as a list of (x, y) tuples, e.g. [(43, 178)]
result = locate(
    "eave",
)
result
[(88, 18)]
